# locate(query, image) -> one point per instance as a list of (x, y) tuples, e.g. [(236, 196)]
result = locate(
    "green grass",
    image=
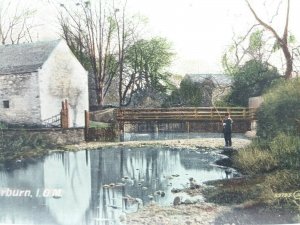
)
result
[(94, 124), (272, 167), (25, 145)]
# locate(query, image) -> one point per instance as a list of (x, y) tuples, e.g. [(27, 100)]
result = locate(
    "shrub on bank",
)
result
[(280, 111), (283, 152), (286, 149), (253, 160), (272, 159), (283, 181), (277, 163), (21, 145)]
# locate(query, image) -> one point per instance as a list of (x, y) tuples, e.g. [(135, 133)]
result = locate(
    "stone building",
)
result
[(35, 78)]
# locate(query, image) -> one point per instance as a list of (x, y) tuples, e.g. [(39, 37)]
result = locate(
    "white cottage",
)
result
[(35, 78)]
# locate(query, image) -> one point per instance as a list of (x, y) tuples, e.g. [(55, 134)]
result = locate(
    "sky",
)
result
[(200, 30)]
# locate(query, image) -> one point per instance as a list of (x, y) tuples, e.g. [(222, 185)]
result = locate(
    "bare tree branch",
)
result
[(14, 24), (283, 43)]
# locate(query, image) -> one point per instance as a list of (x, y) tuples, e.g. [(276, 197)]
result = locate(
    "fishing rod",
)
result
[(217, 111)]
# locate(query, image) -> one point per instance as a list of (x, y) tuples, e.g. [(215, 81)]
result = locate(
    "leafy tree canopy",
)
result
[(149, 60), (189, 94), (250, 80)]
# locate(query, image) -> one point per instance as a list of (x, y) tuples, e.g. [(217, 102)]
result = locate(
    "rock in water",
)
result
[(176, 201)]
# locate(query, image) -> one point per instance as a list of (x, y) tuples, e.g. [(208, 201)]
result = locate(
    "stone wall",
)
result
[(53, 136), (102, 134), (22, 93)]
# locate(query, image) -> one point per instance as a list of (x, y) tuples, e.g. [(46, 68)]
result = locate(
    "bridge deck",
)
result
[(184, 114)]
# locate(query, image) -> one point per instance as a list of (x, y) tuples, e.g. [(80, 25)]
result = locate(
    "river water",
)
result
[(99, 186)]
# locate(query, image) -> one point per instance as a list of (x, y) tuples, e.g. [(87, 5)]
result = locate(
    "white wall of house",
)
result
[(22, 93), (63, 77)]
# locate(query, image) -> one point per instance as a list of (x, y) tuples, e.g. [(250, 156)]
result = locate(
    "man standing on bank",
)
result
[(227, 129)]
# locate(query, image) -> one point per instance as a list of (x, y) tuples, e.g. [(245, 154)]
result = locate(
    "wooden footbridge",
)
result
[(184, 114), (193, 118)]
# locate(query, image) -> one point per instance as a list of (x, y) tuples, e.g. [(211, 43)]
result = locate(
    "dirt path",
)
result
[(179, 143)]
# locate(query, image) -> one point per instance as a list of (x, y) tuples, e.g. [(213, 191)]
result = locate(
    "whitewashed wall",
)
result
[(63, 77), (22, 92)]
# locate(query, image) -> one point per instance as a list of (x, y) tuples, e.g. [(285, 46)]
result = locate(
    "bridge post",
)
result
[(156, 129), (87, 124), (187, 125), (121, 129)]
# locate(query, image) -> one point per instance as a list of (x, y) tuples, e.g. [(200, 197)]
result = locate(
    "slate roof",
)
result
[(25, 58), (220, 79)]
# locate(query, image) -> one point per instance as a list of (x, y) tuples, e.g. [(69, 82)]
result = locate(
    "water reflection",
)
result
[(99, 186)]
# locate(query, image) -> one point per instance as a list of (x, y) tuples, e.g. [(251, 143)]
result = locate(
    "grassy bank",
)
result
[(271, 176), (24, 146), (272, 162)]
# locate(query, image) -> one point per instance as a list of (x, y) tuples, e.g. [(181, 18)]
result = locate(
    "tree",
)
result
[(145, 67), (192, 94), (254, 45), (250, 80), (88, 28), (15, 23), (107, 42), (282, 42)]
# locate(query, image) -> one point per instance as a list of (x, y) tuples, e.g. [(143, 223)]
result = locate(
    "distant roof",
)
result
[(25, 58), (221, 79)]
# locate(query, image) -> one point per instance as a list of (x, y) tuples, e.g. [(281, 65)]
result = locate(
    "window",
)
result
[(6, 104)]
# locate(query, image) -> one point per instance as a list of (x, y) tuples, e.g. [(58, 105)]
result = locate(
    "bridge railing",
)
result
[(184, 114)]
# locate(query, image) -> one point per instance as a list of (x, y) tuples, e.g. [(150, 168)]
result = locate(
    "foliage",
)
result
[(262, 156), (256, 41), (23, 145), (275, 165), (145, 67), (189, 94), (89, 31), (275, 154), (253, 46), (253, 160), (279, 112), (282, 39), (107, 41), (250, 80), (18, 142)]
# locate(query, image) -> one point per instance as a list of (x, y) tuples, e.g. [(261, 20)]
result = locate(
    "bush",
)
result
[(253, 160), (283, 152), (20, 142), (286, 150), (283, 181), (277, 162), (189, 94), (250, 80), (280, 111)]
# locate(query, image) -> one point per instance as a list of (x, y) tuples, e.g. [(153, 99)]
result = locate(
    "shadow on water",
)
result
[(98, 187)]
